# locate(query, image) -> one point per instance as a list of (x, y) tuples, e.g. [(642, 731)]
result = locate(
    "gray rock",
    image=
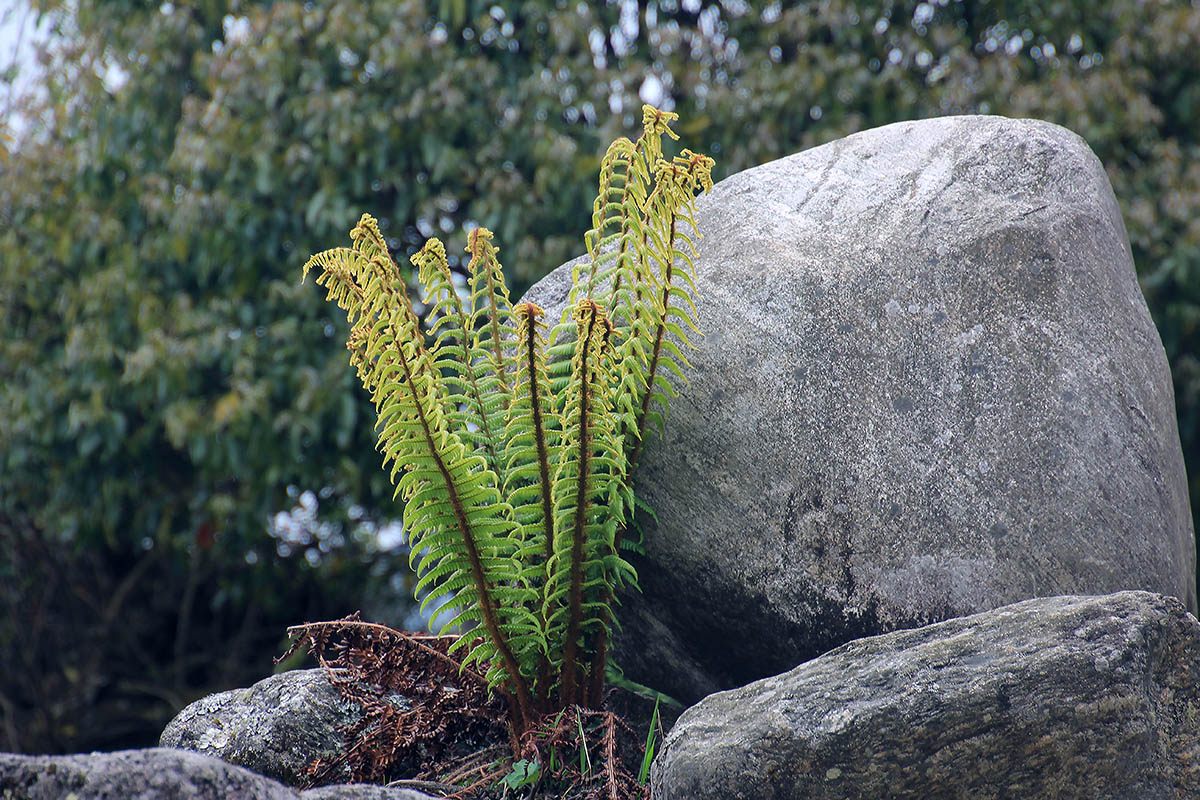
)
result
[(928, 386), (159, 774), (361, 791), (277, 727), (155, 774), (281, 724), (1067, 697)]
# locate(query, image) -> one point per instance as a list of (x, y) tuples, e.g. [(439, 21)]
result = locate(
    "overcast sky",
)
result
[(18, 32)]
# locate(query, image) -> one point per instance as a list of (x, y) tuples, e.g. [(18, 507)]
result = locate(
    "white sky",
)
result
[(18, 33)]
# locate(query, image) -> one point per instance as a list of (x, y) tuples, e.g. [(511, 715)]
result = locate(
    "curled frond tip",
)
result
[(657, 122)]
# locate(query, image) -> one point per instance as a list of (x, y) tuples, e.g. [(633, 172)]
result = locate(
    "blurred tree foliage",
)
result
[(165, 380)]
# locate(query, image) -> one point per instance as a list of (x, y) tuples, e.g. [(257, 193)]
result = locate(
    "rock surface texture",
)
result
[(157, 774), (1068, 697), (928, 386), (277, 727), (362, 791)]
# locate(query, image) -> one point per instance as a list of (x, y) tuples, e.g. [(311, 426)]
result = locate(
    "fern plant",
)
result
[(513, 443)]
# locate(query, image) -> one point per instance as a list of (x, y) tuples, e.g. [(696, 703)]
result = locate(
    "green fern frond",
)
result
[(464, 365), (493, 329), (619, 273), (672, 207), (534, 434), (492, 313), (617, 201), (459, 528), (588, 501)]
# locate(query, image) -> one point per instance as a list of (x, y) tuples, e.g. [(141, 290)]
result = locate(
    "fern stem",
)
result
[(569, 689), (528, 314), (659, 333), (600, 653), (539, 434)]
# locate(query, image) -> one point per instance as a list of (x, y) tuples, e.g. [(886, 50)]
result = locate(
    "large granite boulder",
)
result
[(928, 386), (158, 774), (1068, 697)]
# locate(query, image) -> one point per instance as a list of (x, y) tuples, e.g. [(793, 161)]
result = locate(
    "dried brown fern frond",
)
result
[(421, 708), (428, 722)]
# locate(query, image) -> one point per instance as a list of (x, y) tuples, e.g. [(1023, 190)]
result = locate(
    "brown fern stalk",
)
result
[(599, 665), (652, 369), (528, 315), (532, 312), (570, 689)]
